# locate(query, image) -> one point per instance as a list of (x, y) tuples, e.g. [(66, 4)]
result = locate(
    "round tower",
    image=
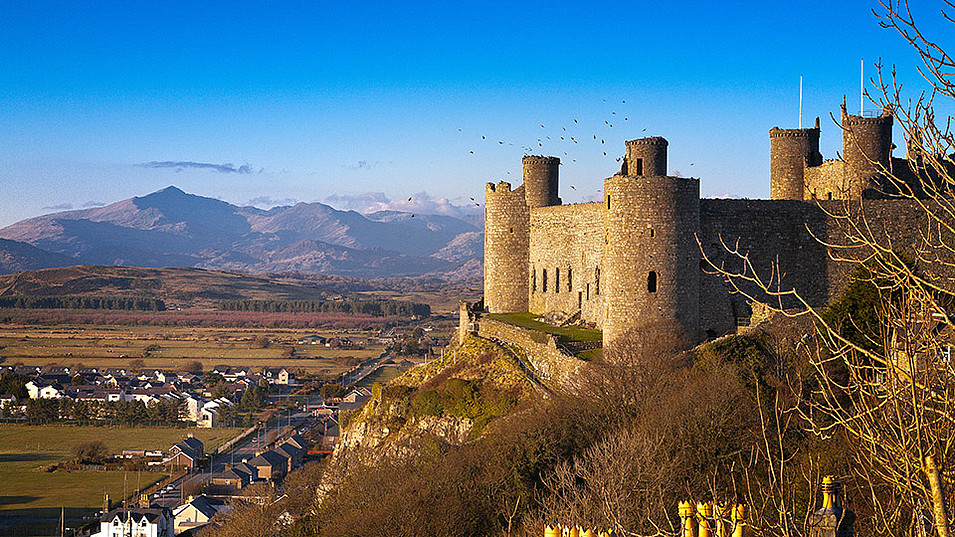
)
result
[(651, 259), (866, 149), (790, 151), (506, 243), (646, 157), (540, 180)]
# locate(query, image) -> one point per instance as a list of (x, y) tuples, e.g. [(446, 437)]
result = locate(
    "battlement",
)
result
[(502, 186), (540, 159), (652, 140), (776, 132), (851, 120)]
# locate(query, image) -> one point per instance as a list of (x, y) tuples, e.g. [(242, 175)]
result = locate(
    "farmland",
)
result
[(171, 348)]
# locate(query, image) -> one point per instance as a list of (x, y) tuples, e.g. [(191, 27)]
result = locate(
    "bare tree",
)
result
[(890, 387)]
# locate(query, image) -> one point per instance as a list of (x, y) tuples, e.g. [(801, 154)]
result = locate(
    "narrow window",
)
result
[(652, 282), (588, 291), (556, 280), (570, 279), (580, 300), (829, 195), (608, 202), (510, 229), (533, 280), (597, 281), (639, 166), (544, 280), (651, 233)]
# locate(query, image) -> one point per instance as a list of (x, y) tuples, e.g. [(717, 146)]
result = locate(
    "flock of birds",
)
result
[(569, 139)]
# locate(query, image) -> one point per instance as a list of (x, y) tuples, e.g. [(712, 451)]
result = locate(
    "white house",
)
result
[(137, 522)]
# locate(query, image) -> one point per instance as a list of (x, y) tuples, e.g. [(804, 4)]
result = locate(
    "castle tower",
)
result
[(540, 180), (646, 157), (506, 243), (651, 257), (866, 149), (790, 152)]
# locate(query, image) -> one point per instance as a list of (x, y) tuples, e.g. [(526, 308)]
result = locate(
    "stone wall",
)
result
[(790, 150), (549, 363), (827, 181), (566, 242), (651, 256), (506, 240)]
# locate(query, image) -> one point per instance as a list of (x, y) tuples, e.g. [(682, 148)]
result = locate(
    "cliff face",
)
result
[(449, 401)]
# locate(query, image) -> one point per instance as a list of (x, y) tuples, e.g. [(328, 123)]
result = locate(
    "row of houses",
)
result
[(271, 465), (202, 402)]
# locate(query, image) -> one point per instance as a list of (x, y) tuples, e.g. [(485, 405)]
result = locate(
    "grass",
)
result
[(383, 374), (26, 448), (116, 346), (564, 333)]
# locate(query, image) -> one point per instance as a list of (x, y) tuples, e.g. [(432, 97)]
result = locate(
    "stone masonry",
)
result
[(633, 262)]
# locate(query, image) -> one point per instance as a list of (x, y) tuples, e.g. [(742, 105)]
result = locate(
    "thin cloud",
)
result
[(419, 203), (180, 165), (266, 201), (60, 207)]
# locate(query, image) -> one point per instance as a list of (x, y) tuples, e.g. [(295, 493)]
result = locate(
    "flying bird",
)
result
[(409, 198), (483, 138), (575, 122), (572, 187)]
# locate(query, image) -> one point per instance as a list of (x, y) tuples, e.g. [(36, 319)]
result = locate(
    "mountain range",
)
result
[(171, 228)]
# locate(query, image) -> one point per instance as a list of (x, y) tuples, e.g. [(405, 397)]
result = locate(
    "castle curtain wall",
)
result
[(567, 242)]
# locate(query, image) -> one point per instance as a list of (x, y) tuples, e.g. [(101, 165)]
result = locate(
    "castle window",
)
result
[(510, 229), (597, 281), (651, 233), (544, 280), (652, 282), (588, 291), (570, 279), (829, 195), (608, 202), (556, 280), (639, 166), (533, 280)]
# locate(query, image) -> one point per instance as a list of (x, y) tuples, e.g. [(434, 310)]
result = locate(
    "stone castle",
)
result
[(634, 262)]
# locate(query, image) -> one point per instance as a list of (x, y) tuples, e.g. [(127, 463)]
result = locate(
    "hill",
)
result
[(173, 228), (175, 286), (18, 256)]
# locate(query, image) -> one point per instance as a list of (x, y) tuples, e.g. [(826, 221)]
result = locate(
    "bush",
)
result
[(92, 452), (427, 403)]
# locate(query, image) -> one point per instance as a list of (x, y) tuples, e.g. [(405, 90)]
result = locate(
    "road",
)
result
[(172, 494), (366, 369)]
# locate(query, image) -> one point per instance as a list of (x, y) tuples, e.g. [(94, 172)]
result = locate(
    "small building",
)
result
[(197, 512), (270, 465), (185, 454)]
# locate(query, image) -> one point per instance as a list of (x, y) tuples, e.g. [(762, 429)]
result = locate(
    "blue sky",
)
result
[(324, 99)]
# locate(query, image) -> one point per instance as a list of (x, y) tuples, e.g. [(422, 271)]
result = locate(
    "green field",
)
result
[(173, 348), (24, 449)]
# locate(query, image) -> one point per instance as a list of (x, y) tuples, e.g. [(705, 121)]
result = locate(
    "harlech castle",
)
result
[(635, 261)]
